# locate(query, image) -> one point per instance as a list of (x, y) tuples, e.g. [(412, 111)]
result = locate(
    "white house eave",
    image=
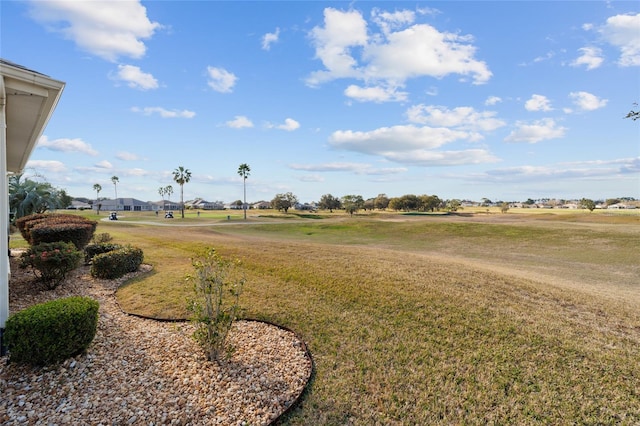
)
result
[(27, 101)]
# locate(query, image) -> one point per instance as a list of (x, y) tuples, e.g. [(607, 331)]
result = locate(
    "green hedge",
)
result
[(52, 262), (116, 263), (52, 227), (51, 332), (92, 250)]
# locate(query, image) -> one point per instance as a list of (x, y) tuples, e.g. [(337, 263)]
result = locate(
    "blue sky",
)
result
[(503, 100)]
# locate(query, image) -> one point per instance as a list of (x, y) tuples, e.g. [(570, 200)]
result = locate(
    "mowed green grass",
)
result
[(431, 320)]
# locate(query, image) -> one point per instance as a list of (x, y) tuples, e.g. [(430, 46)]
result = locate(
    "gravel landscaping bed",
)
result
[(144, 372)]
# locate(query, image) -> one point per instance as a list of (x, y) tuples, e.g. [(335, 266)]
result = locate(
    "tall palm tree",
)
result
[(97, 187), (168, 190), (243, 171), (161, 192), (181, 176), (115, 181)]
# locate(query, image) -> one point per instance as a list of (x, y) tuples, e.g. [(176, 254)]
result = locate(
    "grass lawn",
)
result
[(460, 319)]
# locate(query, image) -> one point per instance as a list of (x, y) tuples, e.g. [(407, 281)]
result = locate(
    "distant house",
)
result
[(127, 205), (199, 203), (261, 205), (79, 205)]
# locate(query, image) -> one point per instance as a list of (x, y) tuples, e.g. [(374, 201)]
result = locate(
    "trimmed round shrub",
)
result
[(92, 250), (116, 263), (49, 333), (51, 227), (51, 262)]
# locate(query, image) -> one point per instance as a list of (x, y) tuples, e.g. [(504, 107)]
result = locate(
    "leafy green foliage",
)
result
[(284, 201), (352, 203), (215, 306), (51, 332), (588, 204), (51, 262), (92, 250), (27, 196), (116, 263), (329, 202), (48, 228)]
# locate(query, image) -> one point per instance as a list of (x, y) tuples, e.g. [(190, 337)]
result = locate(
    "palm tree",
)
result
[(161, 192), (243, 171), (97, 187), (115, 181), (168, 190), (181, 176)]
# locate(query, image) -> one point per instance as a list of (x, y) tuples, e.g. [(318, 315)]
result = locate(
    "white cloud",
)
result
[(572, 170), (289, 125), (538, 103), (126, 156), (164, 113), (52, 166), (591, 57), (333, 42), (396, 138), (374, 94), (586, 101), (108, 29), (388, 21), (239, 122), (443, 158), (357, 168), (460, 117), (269, 38), (104, 164), (402, 50), (492, 100), (66, 145), (622, 32), (411, 145), (135, 78), (535, 132), (221, 80)]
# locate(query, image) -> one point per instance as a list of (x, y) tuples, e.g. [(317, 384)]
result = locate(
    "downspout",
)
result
[(4, 219)]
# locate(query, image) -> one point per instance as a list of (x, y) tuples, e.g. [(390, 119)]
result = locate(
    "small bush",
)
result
[(51, 262), (104, 237), (51, 332), (77, 233), (51, 227), (92, 250), (217, 287), (116, 263)]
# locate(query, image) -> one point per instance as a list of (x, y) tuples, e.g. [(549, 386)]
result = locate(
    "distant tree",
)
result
[(369, 204), (453, 205), (64, 199), (395, 204), (352, 203), (381, 202), (237, 203), (429, 202), (611, 201), (181, 176), (28, 196), (243, 171), (115, 181), (588, 204), (529, 202), (168, 190), (97, 187), (329, 202), (504, 207), (485, 202), (284, 201), (161, 193)]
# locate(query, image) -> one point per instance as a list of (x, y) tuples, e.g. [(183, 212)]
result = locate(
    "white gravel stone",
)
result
[(145, 372)]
